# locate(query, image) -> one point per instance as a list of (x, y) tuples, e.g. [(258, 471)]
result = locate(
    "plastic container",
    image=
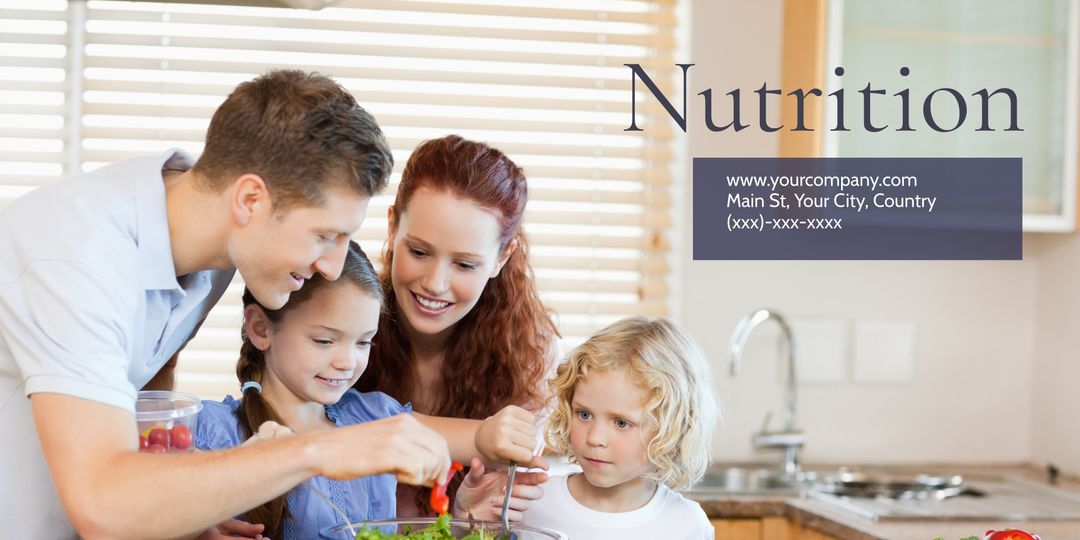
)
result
[(459, 527), (166, 421)]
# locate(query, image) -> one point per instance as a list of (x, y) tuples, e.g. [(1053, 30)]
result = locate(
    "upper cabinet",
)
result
[(911, 66)]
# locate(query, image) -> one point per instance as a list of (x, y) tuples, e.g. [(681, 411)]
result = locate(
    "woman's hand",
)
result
[(398, 445), (481, 493), (233, 528), (509, 436)]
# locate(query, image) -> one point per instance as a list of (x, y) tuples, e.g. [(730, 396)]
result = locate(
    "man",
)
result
[(105, 275)]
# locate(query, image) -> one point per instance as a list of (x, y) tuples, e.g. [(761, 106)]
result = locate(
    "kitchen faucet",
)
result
[(790, 438)]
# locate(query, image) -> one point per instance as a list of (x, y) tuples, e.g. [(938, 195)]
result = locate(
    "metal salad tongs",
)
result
[(506, 533)]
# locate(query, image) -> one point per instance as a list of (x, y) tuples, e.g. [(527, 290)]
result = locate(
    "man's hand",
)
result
[(481, 493), (399, 445), (111, 490)]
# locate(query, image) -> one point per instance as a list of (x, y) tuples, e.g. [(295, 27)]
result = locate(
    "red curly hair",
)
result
[(498, 352)]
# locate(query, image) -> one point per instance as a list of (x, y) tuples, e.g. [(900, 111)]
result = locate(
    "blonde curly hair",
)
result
[(667, 364)]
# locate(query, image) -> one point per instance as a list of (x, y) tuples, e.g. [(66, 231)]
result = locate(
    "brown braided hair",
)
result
[(254, 408)]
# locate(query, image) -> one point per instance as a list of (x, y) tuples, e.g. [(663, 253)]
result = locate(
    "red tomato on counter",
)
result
[(1011, 534)]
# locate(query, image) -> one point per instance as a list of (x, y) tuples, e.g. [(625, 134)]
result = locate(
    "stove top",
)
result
[(990, 498)]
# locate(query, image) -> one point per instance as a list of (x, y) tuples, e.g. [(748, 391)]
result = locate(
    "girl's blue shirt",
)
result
[(363, 499)]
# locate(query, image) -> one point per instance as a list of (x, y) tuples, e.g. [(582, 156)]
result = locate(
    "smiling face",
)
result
[(609, 429), (276, 251), (445, 251), (318, 349)]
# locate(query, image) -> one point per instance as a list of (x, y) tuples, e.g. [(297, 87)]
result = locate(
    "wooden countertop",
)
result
[(823, 517)]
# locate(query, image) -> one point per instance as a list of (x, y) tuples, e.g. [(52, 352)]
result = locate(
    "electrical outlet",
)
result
[(884, 352), (821, 350)]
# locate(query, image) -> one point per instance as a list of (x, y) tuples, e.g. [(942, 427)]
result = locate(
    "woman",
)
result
[(464, 332)]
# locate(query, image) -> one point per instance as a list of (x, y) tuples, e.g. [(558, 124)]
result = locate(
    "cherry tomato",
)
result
[(1010, 534), (180, 436), (154, 449), (143, 443), (158, 436)]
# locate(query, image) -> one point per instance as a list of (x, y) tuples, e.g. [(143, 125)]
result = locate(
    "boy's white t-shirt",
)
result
[(667, 515)]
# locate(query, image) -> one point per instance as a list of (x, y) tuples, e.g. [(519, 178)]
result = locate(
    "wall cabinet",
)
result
[(915, 49)]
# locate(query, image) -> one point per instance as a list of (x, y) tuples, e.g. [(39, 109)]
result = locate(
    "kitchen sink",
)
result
[(750, 480), (886, 493)]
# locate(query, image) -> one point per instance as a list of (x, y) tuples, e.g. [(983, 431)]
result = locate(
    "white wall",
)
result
[(1056, 396), (974, 322)]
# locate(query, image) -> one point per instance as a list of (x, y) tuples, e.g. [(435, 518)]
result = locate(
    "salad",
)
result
[(440, 530)]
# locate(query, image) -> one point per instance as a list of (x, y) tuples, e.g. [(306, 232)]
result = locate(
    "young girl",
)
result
[(464, 333), (297, 364), (634, 407)]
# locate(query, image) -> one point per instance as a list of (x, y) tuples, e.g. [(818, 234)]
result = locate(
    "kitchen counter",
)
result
[(823, 517)]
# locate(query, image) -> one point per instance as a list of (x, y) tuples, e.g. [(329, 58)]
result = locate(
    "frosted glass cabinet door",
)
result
[(1029, 46)]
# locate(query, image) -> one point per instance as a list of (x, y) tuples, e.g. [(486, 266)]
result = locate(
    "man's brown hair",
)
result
[(302, 133)]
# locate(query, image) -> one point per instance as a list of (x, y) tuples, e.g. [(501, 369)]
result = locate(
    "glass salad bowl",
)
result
[(457, 529)]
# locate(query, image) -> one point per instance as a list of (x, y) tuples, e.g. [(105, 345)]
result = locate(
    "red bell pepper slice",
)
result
[(439, 501)]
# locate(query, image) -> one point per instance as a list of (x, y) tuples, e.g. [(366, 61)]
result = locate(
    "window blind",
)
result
[(33, 63), (546, 85)]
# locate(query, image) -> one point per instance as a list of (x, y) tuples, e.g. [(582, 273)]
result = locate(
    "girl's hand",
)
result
[(398, 445), (233, 528), (481, 493), (509, 436), (269, 430)]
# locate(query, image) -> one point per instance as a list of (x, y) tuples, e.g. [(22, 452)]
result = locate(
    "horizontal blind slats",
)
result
[(366, 96), (51, 157), (648, 175), (31, 37), (22, 108), (557, 240), (32, 101), (243, 70), (449, 123), (663, 42), (31, 133), (536, 159), (33, 14), (29, 85), (177, 46), (663, 16), (601, 197), (22, 62), (648, 308)]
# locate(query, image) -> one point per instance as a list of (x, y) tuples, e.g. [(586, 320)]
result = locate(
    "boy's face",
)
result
[(276, 252), (609, 429)]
